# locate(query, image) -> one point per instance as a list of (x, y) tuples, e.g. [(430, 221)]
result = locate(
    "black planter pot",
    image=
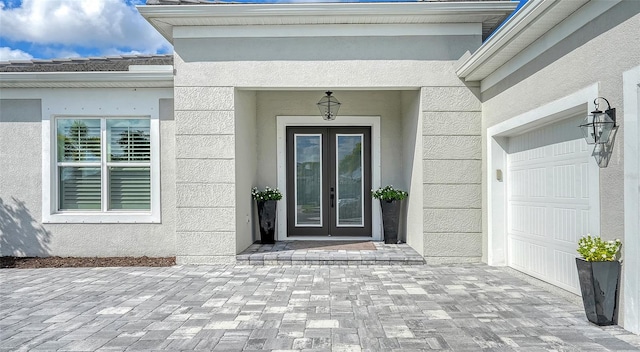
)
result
[(599, 286), (267, 220), (390, 219)]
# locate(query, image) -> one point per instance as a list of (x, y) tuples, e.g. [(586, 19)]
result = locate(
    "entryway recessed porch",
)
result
[(282, 141)]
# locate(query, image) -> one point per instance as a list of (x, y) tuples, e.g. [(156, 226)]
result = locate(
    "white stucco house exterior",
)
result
[(157, 155)]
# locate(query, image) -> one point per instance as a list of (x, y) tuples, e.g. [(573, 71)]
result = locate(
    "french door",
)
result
[(328, 181)]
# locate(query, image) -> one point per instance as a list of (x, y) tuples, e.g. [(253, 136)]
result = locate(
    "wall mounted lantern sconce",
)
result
[(599, 128), (329, 106)]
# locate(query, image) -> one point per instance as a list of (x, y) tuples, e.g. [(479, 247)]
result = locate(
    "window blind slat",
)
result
[(129, 140), (80, 188), (130, 188), (79, 140)]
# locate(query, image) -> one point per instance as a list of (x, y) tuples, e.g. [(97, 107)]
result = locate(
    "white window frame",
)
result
[(295, 181), (51, 214), (631, 242), (337, 181)]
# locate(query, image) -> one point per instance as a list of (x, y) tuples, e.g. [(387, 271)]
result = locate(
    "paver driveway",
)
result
[(310, 308)]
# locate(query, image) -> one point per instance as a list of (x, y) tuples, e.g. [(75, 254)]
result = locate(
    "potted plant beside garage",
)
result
[(599, 276), (391, 203), (266, 201)]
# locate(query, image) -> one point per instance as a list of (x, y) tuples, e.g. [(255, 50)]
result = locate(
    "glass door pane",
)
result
[(308, 180), (349, 180)]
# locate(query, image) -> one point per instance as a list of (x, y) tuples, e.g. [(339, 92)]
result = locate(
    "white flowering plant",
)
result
[(268, 193), (389, 193), (594, 249)]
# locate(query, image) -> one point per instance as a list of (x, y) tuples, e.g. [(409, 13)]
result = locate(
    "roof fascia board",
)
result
[(323, 9), (337, 30), (514, 26), (584, 15), (164, 17), (93, 79)]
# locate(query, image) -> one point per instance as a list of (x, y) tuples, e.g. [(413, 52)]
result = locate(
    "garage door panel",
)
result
[(529, 257), (529, 219), (556, 135), (537, 259), (565, 274), (585, 176), (560, 153), (552, 201), (528, 183), (565, 224)]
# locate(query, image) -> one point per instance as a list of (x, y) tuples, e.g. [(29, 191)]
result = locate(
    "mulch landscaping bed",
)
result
[(77, 262)]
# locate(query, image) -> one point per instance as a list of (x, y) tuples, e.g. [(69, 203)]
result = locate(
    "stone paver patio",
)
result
[(469, 307)]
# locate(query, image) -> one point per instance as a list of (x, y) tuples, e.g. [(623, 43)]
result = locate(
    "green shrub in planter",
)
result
[(391, 203), (267, 201)]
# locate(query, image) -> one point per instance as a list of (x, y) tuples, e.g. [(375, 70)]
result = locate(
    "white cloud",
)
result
[(8, 54), (61, 53), (102, 24)]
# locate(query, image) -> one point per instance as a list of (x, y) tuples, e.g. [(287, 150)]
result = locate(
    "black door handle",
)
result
[(332, 197)]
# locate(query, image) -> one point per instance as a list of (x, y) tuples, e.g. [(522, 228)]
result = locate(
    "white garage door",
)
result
[(552, 201)]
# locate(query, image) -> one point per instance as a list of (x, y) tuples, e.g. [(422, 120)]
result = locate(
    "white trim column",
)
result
[(631, 241)]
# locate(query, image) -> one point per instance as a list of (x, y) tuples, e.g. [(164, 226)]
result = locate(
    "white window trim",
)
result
[(631, 242), (295, 182), (49, 179), (362, 190)]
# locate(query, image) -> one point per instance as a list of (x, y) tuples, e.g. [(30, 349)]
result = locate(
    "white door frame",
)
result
[(631, 241), (282, 122), (497, 210)]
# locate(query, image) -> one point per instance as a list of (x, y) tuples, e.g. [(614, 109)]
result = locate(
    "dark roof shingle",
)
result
[(86, 64)]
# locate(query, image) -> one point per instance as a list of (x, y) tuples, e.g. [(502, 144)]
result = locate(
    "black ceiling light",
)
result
[(329, 106)]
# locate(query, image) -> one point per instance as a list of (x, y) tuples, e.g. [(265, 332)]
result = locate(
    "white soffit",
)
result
[(114, 79), (536, 27), (336, 30), (165, 17)]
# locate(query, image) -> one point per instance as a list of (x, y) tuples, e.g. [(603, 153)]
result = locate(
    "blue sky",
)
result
[(44, 29)]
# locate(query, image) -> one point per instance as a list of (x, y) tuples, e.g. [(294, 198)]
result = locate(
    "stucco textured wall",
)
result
[(362, 62), (205, 161), (21, 134), (451, 174), (21, 232)]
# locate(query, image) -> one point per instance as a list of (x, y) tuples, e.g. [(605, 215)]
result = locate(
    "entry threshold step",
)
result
[(329, 253)]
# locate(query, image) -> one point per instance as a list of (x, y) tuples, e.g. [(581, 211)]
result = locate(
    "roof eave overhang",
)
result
[(510, 31), (165, 17), (124, 79), (530, 23)]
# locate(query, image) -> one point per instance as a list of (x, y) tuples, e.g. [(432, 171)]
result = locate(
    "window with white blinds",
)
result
[(104, 164)]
